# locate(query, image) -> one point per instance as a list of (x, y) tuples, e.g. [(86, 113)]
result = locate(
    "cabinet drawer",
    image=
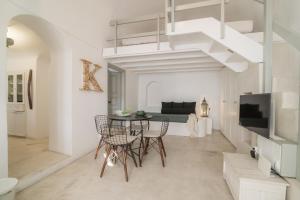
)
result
[(261, 191)]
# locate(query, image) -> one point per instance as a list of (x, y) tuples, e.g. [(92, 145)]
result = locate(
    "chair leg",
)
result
[(163, 147), (132, 154), (105, 162), (146, 147), (125, 152), (99, 147), (140, 152), (161, 152), (115, 158)]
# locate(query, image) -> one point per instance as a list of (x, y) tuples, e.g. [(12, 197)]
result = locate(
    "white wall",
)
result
[(286, 20), (73, 30), (247, 84), (42, 98), (286, 81), (286, 63), (131, 88), (179, 87)]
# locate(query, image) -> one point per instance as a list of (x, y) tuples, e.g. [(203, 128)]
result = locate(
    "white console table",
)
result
[(247, 182), (204, 126)]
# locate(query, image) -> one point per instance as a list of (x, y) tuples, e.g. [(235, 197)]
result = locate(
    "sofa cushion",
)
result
[(167, 110), (166, 104), (180, 111), (189, 105), (178, 105)]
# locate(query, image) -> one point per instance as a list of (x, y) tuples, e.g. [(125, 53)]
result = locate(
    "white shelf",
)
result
[(247, 182)]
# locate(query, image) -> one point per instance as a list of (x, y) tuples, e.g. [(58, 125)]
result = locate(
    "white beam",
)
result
[(197, 5), (181, 70), (268, 46), (182, 61), (235, 58), (172, 67), (222, 34), (185, 66), (161, 56)]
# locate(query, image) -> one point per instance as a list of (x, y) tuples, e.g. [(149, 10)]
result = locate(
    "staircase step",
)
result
[(234, 58), (235, 41), (238, 66), (217, 47)]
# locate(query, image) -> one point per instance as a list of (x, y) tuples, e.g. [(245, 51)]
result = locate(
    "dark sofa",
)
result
[(178, 108)]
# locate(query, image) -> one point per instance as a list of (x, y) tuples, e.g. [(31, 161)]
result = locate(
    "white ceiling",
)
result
[(25, 40), (167, 61)]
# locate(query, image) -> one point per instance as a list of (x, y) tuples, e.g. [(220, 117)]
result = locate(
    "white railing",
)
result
[(117, 23), (170, 9)]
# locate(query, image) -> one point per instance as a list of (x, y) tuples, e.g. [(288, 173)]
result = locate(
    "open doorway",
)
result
[(116, 89), (28, 102)]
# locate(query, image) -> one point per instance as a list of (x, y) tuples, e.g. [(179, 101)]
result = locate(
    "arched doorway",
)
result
[(51, 64)]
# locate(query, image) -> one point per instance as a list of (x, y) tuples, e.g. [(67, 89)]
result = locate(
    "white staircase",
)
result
[(234, 51), (223, 43)]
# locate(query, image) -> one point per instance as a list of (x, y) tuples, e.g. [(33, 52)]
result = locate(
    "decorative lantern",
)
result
[(204, 108)]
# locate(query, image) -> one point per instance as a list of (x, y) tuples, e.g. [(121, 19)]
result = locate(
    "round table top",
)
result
[(132, 117)]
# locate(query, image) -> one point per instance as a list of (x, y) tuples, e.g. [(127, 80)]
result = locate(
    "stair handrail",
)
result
[(116, 23), (171, 8)]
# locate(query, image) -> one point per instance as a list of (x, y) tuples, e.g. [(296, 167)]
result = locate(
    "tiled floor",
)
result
[(27, 156), (193, 172)]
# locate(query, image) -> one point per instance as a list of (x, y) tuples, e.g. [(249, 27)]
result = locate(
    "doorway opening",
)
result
[(116, 89), (29, 102)]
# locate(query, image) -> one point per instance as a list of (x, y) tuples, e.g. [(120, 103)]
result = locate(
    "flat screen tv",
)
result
[(255, 110)]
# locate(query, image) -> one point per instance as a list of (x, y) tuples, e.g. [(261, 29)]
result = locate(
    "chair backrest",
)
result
[(164, 126), (143, 124), (118, 135), (102, 125)]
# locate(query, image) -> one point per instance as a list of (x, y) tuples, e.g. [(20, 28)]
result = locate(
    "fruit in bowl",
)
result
[(122, 113), (140, 113)]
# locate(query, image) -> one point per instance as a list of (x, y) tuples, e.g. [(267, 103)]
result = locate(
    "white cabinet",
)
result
[(204, 126), (16, 88), (230, 106), (16, 112), (247, 182)]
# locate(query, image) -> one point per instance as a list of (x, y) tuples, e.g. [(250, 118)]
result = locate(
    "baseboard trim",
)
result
[(32, 179)]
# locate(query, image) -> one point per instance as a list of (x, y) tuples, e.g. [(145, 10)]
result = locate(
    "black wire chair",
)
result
[(155, 138), (102, 128), (118, 142), (138, 126)]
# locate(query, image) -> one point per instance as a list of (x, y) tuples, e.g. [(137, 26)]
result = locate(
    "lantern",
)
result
[(204, 108)]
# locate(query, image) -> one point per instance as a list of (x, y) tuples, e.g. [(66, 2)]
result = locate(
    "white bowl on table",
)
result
[(122, 113)]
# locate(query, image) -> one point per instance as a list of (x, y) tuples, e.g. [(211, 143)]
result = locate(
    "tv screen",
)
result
[(255, 112)]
